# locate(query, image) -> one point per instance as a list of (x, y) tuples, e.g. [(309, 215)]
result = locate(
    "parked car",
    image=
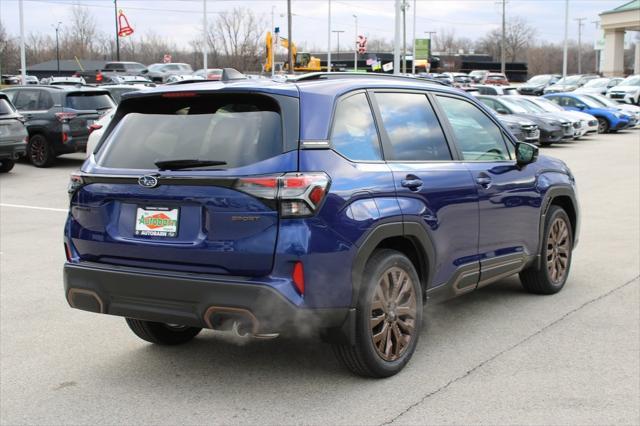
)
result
[(486, 89), (599, 86), (31, 79), (159, 73), (13, 135), (127, 79), (552, 129), (117, 90), (272, 206), (478, 75), (632, 110), (569, 83), (459, 79), (111, 69), (63, 81), (211, 74), (58, 118), (578, 126), (96, 130), (522, 129), (551, 107), (536, 84), (443, 78), (496, 79), (609, 119), (628, 90), (176, 78), (10, 79)]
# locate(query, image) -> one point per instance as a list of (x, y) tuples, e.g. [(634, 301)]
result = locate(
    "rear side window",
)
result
[(46, 101), (89, 101), (477, 137), (27, 100), (354, 132), (5, 107), (413, 129), (237, 129)]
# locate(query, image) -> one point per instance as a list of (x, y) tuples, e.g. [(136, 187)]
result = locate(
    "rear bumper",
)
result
[(13, 151), (187, 299)]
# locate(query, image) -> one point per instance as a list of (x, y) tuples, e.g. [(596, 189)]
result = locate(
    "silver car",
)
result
[(159, 73), (13, 135)]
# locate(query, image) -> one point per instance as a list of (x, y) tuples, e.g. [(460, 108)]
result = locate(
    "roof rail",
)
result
[(342, 75)]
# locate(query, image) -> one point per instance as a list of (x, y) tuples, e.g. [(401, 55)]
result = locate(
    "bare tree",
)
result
[(519, 36), (81, 36)]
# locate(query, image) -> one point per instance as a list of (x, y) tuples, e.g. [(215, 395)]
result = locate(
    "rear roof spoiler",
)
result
[(343, 75)]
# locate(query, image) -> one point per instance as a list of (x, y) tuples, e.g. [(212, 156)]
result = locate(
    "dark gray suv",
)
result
[(58, 118)]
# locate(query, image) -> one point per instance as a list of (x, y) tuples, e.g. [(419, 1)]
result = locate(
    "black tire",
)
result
[(603, 125), (545, 144), (6, 165), (540, 279), (40, 152), (162, 334), (365, 358)]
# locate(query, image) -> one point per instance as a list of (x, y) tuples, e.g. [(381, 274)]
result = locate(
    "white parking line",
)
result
[(22, 206)]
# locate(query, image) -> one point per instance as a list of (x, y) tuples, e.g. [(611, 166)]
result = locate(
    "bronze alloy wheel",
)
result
[(393, 314), (558, 250), (38, 151)]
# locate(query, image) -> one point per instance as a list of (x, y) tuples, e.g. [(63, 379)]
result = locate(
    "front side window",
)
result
[(477, 136), (413, 128), (354, 132)]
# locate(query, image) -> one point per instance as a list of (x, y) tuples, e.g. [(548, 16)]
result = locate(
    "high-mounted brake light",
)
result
[(179, 95), (64, 117), (299, 194)]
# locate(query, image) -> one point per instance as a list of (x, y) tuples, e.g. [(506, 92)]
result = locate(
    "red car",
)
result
[(496, 79)]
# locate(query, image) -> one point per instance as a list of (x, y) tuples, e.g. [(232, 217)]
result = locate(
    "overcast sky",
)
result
[(181, 20)]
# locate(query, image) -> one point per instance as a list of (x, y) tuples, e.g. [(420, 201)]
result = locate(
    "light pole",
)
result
[(413, 62), (23, 56), (566, 38), (115, 8), (396, 38), (289, 50), (405, 5), (580, 24), (58, 46), (206, 43), (338, 35), (355, 51), (273, 43), (329, 40)]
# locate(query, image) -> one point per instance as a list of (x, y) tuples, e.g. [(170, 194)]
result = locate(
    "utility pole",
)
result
[(338, 34), (115, 9), (405, 5), (503, 56), (413, 62), (23, 57), (597, 24), (329, 40), (396, 39), (289, 50), (206, 43), (566, 38), (580, 24), (355, 51), (58, 46)]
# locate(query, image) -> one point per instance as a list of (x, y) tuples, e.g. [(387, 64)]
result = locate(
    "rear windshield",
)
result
[(89, 101), (238, 129), (5, 107)]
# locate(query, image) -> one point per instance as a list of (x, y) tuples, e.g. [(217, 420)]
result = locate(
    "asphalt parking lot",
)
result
[(496, 356)]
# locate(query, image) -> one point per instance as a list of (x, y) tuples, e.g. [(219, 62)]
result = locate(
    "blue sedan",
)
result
[(609, 119)]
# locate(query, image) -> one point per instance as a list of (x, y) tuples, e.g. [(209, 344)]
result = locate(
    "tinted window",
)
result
[(5, 107), (89, 101), (27, 100), (413, 129), (239, 130), (354, 132), (477, 136), (46, 101)]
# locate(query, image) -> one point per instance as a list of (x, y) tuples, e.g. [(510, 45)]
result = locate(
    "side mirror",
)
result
[(502, 111), (526, 153)]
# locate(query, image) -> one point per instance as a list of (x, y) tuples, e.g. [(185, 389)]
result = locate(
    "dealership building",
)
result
[(615, 23)]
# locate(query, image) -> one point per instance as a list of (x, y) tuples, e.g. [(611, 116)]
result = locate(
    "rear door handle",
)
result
[(483, 181), (412, 182)]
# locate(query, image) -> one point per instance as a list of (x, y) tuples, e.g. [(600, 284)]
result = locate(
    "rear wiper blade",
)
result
[(186, 164)]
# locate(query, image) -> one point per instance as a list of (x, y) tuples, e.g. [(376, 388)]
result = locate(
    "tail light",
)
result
[(64, 117), (298, 194), (65, 137), (75, 182), (94, 127), (67, 252), (98, 77)]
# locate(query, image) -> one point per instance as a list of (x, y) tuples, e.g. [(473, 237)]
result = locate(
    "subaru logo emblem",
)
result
[(148, 181)]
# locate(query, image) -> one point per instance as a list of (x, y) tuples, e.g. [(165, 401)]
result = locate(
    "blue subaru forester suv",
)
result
[(330, 205)]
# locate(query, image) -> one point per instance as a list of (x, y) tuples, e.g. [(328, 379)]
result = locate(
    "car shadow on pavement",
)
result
[(212, 360)]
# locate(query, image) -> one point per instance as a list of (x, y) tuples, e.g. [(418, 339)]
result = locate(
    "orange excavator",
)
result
[(303, 62)]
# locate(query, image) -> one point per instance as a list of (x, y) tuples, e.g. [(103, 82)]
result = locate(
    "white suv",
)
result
[(627, 91)]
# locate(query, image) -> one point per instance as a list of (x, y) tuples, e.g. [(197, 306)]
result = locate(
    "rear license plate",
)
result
[(157, 222)]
